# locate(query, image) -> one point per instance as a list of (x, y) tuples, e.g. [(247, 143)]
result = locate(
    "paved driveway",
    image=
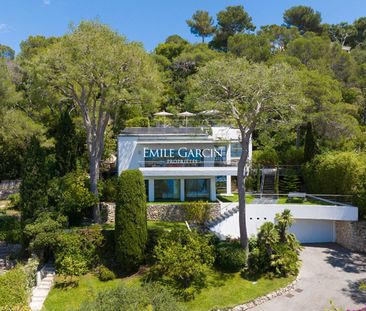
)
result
[(329, 272)]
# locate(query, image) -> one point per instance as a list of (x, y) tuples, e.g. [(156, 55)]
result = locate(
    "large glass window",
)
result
[(235, 150), (167, 189), (220, 156), (197, 189)]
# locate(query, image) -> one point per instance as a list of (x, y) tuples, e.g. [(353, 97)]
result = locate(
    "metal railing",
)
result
[(186, 163)]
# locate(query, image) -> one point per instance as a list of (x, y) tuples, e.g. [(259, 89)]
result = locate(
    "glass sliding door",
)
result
[(197, 189), (167, 189)]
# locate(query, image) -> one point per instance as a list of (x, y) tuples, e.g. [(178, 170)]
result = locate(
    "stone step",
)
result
[(36, 306), (38, 299), (40, 292)]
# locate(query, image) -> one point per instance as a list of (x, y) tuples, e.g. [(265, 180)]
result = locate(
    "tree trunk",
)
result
[(241, 191), (94, 177), (298, 137)]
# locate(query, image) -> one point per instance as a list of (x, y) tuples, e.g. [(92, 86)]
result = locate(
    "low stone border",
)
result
[(265, 298)]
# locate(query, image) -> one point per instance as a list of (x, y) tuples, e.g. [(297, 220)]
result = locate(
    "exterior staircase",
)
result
[(227, 211), (45, 278), (268, 184)]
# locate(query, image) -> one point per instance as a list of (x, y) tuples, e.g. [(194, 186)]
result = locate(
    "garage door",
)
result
[(313, 231)]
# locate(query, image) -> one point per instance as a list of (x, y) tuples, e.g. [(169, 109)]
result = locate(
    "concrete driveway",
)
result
[(329, 272)]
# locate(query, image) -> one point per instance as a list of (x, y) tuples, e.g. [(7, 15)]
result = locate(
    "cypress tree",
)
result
[(310, 148), (33, 189), (66, 145), (130, 220)]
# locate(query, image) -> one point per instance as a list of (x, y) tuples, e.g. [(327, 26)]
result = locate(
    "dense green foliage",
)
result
[(104, 274), (197, 212), (33, 189), (70, 196), (230, 257), (13, 289), (16, 285), (43, 234), (76, 253), (131, 221), (10, 229), (182, 260), (149, 297), (275, 252), (335, 173), (66, 145)]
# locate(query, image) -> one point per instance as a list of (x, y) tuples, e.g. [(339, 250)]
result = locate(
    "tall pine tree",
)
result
[(66, 145), (33, 189), (310, 148)]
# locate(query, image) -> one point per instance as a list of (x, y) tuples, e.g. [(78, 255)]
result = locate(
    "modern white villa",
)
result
[(180, 164), (183, 164)]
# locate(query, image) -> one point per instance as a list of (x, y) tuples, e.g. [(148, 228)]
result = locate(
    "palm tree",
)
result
[(284, 222), (268, 236)]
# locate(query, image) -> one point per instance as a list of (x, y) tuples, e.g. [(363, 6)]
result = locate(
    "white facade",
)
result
[(313, 223), (173, 158)]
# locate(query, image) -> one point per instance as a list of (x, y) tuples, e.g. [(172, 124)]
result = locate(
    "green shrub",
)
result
[(292, 156), (71, 196), (335, 173), (153, 236), (14, 292), (197, 212), (42, 234), (109, 190), (265, 157), (104, 274), (77, 253), (14, 201), (230, 256), (10, 229), (138, 122), (183, 259), (276, 252), (130, 220), (148, 297)]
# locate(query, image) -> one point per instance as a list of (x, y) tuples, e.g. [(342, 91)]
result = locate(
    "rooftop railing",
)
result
[(186, 163)]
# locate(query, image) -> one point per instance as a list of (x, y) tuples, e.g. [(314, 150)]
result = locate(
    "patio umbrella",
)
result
[(186, 114), (163, 114)]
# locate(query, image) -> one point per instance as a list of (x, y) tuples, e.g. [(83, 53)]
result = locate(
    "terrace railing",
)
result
[(186, 163)]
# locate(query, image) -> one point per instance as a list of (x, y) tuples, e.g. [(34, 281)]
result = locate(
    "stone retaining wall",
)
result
[(260, 300), (352, 235), (4, 194), (163, 212)]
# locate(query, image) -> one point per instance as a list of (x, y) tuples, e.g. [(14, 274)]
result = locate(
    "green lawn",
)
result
[(168, 225), (224, 290), (230, 289), (308, 201), (235, 198), (71, 299)]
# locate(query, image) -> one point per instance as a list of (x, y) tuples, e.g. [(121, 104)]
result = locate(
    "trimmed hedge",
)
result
[(16, 285), (13, 289), (130, 220)]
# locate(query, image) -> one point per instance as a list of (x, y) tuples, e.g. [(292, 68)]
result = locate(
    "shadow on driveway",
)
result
[(355, 292)]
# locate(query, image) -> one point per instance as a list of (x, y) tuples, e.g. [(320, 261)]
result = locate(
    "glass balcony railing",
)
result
[(186, 163)]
